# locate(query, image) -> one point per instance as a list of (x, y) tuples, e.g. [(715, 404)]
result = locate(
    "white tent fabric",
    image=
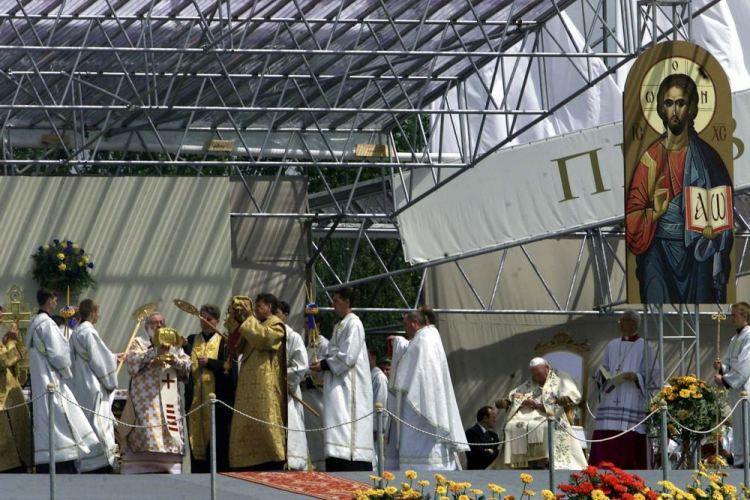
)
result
[(511, 196)]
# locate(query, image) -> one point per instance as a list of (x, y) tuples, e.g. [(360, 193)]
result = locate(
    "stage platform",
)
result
[(198, 486)]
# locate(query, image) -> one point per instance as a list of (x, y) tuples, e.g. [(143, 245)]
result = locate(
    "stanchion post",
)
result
[(551, 449), (664, 440), (51, 404), (745, 437), (379, 444), (212, 445)]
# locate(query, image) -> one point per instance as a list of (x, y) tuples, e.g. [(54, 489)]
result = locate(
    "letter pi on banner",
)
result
[(678, 178)]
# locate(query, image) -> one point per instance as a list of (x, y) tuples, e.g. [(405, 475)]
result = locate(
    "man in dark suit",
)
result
[(481, 456)]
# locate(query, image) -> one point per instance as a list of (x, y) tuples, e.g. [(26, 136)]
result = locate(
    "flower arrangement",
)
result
[(606, 483), (691, 404), (716, 489), (444, 489), (63, 264)]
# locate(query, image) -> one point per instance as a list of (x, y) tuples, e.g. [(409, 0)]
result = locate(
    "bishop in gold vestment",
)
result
[(14, 424), (261, 388)]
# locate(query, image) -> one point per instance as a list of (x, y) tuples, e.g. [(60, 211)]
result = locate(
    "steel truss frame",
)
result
[(116, 87)]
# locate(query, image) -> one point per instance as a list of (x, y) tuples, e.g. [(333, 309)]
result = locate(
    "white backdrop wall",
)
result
[(151, 240)]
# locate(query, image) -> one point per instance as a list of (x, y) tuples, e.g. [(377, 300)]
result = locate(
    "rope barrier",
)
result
[(710, 430), (602, 440), (446, 439), (392, 415), (290, 429)]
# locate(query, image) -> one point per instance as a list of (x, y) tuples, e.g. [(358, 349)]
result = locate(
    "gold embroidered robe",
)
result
[(261, 393), (14, 425), (204, 383)]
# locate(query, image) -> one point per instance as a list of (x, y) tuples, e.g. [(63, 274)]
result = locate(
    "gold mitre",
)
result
[(235, 306), (166, 337)]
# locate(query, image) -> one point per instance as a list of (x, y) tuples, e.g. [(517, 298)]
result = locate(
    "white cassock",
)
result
[(379, 395), (49, 360), (421, 394), (347, 393), (94, 380), (736, 372), (314, 397), (296, 367)]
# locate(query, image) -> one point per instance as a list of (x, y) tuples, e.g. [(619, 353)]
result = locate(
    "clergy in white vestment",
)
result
[(734, 374), (154, 403), (379, 395), (49, 363), (547, 391), (296, 368), (628, 372), (312, 394), (94, 380), (347, 391), (423, 397)]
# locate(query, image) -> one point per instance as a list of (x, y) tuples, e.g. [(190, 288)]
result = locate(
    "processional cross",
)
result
[(19, 314)]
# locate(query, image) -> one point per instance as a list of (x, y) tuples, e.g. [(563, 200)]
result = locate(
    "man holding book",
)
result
[(628, 369), (682, 248)]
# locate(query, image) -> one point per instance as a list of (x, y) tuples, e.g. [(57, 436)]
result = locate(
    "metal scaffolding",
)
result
[(335, 90)]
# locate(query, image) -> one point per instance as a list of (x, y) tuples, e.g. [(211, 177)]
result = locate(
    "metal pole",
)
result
[(212, 445), (745, 438), (648, 382), (551, 448), (379, 444), (664, 441), (51, 404)]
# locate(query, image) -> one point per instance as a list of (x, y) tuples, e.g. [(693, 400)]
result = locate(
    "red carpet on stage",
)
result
[(313, 484)]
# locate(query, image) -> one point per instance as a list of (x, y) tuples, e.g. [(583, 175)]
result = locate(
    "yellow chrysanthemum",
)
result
[(667, 484), (509, 497), (46, 248), (375, 478), (455, 487), (495, 488), (529, 493), (410, 474), (411, 495), (61, 256), (715, 486), (684, 393), (476, 492), (639, 496), (86, 259), (390, 490), (441, 490), (81, 263), (405, 487), (730, 488), (63, 267), (362, 497), (548, 495), (717, 496), (463, 497), (665, 496), (465, 486), (423, 483), (527, 478), (75, 246), (386, 475), (714, 477), (440, 478), (444, 498)]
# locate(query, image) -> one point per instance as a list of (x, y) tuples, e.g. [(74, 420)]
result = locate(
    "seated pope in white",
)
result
[(525, 426)]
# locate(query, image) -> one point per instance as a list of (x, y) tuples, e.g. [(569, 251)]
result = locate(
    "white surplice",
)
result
[(296, 367), (347, 393), (422, 395), (736, 373), (94, 380), (379, 395), (49, 360), (313, 396), (623, 406)]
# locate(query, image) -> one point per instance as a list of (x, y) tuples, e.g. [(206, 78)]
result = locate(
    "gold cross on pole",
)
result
[(19, 314), (718, 317)]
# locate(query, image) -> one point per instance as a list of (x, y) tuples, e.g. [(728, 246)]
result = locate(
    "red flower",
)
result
[(610, 480), (576, 476), (568, 488), (586, 487), (652, 495), (620, 488), (627, 496), (590, 471), (606, 465)]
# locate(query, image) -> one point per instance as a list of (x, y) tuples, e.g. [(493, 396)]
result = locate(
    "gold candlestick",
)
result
[(718, 317)]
